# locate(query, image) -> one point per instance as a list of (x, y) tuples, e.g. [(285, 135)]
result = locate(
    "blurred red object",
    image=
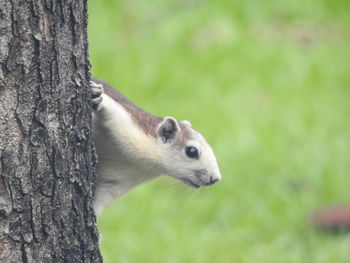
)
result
[(334, 218)]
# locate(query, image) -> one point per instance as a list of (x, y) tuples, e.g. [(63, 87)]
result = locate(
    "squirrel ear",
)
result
[(186, 122), (168, 129)]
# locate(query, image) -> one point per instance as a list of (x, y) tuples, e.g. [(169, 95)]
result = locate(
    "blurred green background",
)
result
[(268, 84)]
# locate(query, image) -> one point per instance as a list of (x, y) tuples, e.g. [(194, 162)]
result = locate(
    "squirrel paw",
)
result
[(96, 94)]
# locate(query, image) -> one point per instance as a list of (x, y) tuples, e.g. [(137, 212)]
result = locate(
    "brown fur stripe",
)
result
[(146, 121)]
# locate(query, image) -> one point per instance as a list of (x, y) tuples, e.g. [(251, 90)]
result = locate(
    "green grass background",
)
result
[(268, 84)]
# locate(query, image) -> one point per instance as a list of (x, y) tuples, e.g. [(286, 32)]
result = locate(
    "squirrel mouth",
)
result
[(189, 182)]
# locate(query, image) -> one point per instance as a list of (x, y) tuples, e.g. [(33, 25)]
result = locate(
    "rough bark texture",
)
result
[(46, 154)]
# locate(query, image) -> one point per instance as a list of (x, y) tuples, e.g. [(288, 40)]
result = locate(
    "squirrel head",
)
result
[(185, 154)]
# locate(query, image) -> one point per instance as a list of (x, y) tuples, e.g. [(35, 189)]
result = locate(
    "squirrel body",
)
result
[(134, 147)]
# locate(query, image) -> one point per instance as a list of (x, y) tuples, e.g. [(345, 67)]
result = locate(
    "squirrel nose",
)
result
[(213, 180), (215, 177)]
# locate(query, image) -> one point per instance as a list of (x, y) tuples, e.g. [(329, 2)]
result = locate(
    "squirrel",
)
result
[(134, 147)]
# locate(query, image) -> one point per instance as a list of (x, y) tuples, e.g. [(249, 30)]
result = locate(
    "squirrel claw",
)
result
[(96, 94)]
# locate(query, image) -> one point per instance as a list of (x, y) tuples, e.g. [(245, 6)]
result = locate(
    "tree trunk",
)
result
[(47, 159)]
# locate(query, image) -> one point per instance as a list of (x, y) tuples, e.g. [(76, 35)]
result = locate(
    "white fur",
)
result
[(122, 150), (128, 157), (186, 122)]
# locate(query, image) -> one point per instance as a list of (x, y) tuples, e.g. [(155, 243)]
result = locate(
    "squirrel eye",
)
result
[(192, 152)]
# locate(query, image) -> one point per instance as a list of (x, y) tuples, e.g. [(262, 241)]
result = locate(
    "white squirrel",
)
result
[(134, 146)]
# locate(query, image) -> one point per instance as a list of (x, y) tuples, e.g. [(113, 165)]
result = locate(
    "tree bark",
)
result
[(47, 159)]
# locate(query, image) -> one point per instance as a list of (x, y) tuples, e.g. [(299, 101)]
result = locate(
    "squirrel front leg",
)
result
[(106, 190), (102, 195), (101, 103), (96, 94)]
